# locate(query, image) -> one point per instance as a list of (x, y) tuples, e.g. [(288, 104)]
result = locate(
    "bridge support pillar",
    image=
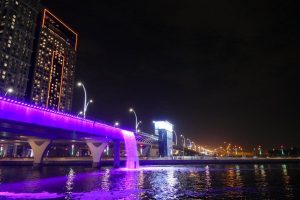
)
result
[(116, 154), (96, 149), (146, 151), (39, 148)]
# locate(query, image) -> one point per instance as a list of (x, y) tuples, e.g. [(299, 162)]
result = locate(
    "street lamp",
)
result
[(183, 140), (190, 142), (183, 143), (80, 113), (9, 90), (116, 124), (282, 152), (86, 104), (90, 101), (260, 150), (175, 137), (136, 120), (195, 146)]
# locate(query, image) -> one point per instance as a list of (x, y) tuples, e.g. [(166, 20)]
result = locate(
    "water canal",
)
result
[(246, 181)]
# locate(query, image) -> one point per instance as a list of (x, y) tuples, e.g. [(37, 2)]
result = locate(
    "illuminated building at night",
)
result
[(53, 70), (17, 32), (164, 131)]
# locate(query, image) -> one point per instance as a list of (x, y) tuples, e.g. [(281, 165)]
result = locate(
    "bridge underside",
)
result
[(17, 130), (39, 127)]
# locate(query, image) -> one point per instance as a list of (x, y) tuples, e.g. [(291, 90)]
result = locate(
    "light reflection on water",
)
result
[(169, 182), (70, 183), (286, 181)]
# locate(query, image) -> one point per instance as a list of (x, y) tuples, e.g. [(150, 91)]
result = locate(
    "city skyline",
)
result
[(37, 55), (215, 78), (17, 34), (149, 99), (54, 63)]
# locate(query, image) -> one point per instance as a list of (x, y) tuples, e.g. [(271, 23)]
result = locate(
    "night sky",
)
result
[(218, 70)]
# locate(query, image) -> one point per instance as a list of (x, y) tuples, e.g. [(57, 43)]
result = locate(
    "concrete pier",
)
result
[(96, 149), (39, 148)]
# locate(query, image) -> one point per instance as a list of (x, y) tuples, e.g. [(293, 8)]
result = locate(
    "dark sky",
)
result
[(219, 70)]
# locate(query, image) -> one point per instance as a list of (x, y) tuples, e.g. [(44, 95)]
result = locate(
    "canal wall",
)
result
[(144, 162)]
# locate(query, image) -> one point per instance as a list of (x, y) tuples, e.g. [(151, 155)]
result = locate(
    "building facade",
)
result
[(17, 33), (164, 131), (54, 66)]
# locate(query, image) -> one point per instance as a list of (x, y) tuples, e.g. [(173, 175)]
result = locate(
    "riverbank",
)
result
[(86, 161)]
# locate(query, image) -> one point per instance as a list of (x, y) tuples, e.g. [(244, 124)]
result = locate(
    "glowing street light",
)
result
[(136, 120), (107, 150), (72, 150), (260, 150), (90, 101), (183, 143), (86, 104), (282, 152), (116, 124), (80, 113), (183, 140), (8, 91)]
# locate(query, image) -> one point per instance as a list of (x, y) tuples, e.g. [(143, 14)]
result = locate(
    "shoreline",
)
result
[(144, 162)]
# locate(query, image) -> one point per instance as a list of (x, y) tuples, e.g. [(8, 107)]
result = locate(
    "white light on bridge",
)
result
[(163, 125)]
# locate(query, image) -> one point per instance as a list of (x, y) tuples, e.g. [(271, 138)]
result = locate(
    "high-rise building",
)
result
[(17, 33), (53, 72)]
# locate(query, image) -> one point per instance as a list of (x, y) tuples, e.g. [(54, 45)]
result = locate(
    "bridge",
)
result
[(40, 126)]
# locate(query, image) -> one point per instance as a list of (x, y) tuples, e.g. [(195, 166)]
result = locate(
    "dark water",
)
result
[(273, 181)]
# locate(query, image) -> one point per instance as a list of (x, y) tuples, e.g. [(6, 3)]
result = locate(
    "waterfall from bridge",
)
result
[(132, 161)]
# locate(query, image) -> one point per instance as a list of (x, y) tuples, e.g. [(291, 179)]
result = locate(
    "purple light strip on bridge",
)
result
[(15, 111), (21, 112)]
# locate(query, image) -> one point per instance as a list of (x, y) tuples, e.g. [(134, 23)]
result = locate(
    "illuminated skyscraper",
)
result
[(17, 32), (53, 72)]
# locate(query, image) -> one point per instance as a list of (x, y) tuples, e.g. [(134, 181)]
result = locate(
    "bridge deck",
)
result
[(17, 117)]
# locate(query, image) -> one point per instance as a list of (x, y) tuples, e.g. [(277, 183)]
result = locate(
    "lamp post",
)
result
[(183, 140), (193, 145), (8, 91), (136, 120), (86, 104), (175, 137), (80, 113), (282, 152), (183, 143), (190, 142), (116, 124), (260, 150)]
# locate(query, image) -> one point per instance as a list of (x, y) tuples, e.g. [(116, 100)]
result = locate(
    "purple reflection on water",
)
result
[(40, 195), (166, 182)]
